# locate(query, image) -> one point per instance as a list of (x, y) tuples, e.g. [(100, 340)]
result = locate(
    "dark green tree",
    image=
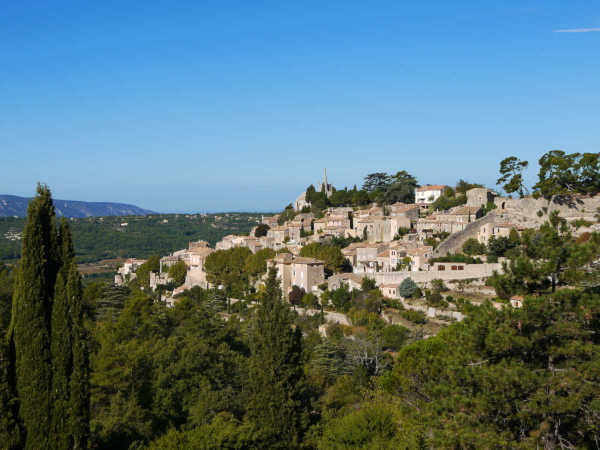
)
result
[(278, 402), (378, 181), (178, 272), (511, 175), (407, 288), (79, 385), (261, 230), (30, 325)]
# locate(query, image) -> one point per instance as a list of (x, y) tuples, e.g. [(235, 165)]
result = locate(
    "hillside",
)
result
[(12, 205), (99, 238)]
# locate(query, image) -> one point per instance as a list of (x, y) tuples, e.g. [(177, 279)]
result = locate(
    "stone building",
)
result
[(496, 230), (478, 197), (306, 273), (426, 195)]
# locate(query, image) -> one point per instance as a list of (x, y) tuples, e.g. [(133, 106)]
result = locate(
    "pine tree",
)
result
[(30, 324), (278, 405)]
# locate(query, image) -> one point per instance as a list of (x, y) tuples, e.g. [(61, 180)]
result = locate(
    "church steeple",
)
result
[(325, 180)]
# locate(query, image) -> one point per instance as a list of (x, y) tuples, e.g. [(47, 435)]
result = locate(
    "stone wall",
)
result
[(524, 211), (471, 271), (454, 242)]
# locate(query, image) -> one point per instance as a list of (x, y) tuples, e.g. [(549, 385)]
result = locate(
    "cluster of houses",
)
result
[(387, 239)]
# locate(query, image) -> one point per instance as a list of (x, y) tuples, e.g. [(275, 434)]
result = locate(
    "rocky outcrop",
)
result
[(454, 242)]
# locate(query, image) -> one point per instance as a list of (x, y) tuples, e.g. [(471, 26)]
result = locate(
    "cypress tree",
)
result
[(10, 437), (61, 365), (61, 343), (79, 400), (30, 324), (278, 405)]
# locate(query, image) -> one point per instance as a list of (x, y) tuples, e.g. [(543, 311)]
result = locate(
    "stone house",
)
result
[(352, 280), (479, 197), (496, 230), (419, 257), (278, 234), (306, 273), (127, 271), (390, 290)]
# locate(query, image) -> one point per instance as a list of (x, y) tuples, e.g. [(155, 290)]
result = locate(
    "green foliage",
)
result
[(407, 288), (6, 293), (296, 294), (473, 247), (142, 274), (178, 272), (394, 337), (46, 336), (390, 189), (498, 246), (547, 258), (373, 426), (101, 238), (512, 378), (438, 285), (340, 298), (157, 368), (278, 401), (256, 264), (450, 199), (563, 174), (29, 332), (368, 284), (261, 230), (417, 317), (511, 175), (228, 268), (286, 215), (463, 186), (329, 254)]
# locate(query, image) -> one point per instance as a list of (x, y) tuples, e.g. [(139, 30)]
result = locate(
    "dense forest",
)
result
[(98, 238)]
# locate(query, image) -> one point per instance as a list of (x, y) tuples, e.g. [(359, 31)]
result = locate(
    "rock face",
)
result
[(525, 213), (12, 205), (531, 212)]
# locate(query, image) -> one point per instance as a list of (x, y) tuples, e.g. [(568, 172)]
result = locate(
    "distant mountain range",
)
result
[(12, 205)]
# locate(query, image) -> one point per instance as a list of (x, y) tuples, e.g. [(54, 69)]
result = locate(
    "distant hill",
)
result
[(12, 205)]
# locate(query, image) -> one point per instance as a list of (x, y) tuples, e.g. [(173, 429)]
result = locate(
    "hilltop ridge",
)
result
[(13, 205)]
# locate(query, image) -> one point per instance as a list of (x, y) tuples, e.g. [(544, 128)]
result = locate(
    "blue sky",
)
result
[(225, 105)]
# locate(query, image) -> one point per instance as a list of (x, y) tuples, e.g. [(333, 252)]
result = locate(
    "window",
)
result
[(441, 267), (454, 268)]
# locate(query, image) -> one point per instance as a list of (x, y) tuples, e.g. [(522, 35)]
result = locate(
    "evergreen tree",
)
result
[(278, 403), (79, 400), (62, 362), (30, 325), (9, 428)]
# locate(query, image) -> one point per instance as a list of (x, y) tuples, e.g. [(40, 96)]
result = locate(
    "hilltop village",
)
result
[(385, 243)]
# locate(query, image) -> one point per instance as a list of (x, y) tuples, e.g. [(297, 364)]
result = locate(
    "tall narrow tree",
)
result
[(30, 324), (278, 404), (61, 343), (79, 400)]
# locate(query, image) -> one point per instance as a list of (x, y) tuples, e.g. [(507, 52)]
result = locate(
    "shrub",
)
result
[(407, 288), (417, 317)]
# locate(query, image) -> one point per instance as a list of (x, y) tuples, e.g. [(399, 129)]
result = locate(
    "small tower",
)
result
[(325, 186)]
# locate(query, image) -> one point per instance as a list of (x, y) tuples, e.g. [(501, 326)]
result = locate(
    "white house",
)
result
[(429, 193)]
